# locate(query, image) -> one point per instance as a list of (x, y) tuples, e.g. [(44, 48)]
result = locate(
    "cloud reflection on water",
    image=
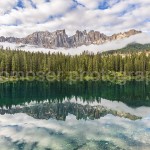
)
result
[(20, 130)]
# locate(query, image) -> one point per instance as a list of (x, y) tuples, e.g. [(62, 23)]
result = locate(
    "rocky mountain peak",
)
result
[(59, 38), (60, 32), (132, 32)]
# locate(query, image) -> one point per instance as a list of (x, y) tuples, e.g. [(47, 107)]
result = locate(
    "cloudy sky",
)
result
[(22, 17)]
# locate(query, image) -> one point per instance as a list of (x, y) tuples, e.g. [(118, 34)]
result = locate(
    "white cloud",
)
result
[(91, 4), (121, 15), (142, 38), (38, 2), (40, 14), (6, 5)]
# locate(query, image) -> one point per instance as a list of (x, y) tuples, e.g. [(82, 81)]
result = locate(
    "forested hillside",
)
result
[(133, 47), (20, 61)]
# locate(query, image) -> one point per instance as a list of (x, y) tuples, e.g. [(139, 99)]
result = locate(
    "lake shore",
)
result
[(115, 77)]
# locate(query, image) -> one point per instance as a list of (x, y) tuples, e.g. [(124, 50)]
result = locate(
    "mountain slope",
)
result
[(141, 38), (59, 38), (132, 47)]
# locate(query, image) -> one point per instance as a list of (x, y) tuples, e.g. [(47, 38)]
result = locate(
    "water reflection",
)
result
[(60, 111), (23, 132), (133, 94), (74, 116)]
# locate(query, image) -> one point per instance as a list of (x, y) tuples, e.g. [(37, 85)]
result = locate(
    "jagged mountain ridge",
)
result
[(59, 38), (60, 111)]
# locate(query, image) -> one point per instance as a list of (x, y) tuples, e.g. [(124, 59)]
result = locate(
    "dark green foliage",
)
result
[(133, 47), (26, 62), (134, 94)]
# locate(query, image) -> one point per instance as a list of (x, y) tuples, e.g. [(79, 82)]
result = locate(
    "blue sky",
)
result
[(22, 17)]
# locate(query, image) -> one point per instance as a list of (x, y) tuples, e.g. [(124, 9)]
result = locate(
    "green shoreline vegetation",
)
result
[(118, 66), (118, 78)]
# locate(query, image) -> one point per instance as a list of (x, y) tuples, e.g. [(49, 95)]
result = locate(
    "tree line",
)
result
[(16, 60)]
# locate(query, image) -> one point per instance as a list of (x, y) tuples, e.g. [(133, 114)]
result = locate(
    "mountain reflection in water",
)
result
[(60, 111), (74, 116)]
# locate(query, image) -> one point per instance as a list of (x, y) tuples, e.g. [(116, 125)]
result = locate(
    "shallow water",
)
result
[(75, 116)]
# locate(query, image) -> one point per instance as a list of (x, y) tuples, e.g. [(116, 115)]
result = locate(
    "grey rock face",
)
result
[(60, 111), (59, 38), (8, 39)]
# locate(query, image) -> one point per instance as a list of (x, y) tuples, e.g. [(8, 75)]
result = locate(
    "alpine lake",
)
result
[(84, 115)]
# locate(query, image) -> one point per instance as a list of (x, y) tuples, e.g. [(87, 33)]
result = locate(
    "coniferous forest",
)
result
[(20, 61)]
